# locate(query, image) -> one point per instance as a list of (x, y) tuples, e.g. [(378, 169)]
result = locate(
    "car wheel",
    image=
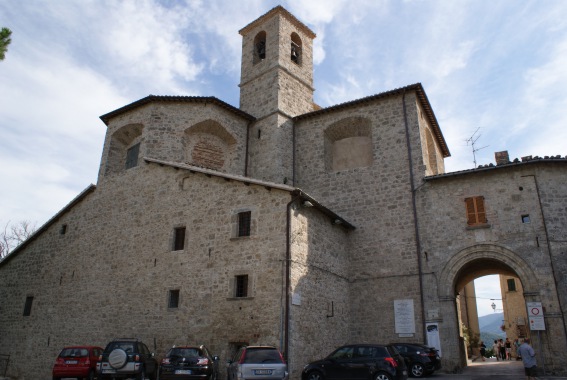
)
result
[(315, 375), (417, 370), (382, 376)]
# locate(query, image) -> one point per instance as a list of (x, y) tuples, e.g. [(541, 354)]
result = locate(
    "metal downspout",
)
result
[(415, 223)]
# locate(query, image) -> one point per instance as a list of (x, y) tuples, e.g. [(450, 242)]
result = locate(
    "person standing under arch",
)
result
[(528, 359)]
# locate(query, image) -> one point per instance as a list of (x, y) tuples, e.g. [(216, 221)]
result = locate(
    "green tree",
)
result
[(5, 40)]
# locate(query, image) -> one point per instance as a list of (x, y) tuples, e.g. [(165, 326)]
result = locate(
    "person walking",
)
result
[(496, 350), (528, 359), (482, 350), (508, 346), (502, 349)]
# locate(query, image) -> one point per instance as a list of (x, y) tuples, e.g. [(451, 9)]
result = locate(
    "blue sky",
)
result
[(496, 67)]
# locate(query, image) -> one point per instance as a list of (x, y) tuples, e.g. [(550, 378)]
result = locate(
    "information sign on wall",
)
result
[(404, 317)]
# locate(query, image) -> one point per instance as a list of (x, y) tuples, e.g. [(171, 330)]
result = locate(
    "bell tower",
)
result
[(276, 85)]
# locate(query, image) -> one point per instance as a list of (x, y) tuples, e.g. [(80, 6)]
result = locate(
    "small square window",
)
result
[(63, 229), (28, 306), (132, 156), (173, 299), (241, 286), (511, 285), (179, 238), (525, 218), (244, 221)]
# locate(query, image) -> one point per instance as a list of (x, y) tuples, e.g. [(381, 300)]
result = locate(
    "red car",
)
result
[(78, 362)]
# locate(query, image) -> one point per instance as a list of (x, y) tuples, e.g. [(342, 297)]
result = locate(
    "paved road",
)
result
[(493, 370)]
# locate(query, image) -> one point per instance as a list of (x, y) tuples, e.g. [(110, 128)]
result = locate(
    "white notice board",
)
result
[(404, 317), (535, 315)]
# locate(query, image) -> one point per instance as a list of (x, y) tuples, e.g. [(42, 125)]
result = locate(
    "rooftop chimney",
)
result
[(502, 158)]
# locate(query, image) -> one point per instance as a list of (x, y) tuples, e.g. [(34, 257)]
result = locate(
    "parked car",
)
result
[(420, 359), (257, 362), (358, 361), (127, 358), (188, 363), (77, 361)]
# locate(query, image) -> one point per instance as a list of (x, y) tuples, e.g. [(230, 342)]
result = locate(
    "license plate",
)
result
[(183, 372), (262, 372), (108, 371), (71, 362)]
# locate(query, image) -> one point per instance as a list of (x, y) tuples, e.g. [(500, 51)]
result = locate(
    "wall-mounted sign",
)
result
[(535, 316), (404, 317)]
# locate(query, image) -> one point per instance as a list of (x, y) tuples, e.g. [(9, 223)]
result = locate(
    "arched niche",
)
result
[(124, 148), (348, 144), (208, 144)]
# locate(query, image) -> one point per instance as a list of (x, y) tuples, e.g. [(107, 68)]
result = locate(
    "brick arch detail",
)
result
[(489, 252)]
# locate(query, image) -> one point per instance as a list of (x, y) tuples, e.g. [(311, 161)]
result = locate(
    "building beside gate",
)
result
[(284, 223)]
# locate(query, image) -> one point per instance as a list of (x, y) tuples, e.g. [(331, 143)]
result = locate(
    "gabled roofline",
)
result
[(175, 99), (49, 223), (421, 96), (274, 11), (250, 181)]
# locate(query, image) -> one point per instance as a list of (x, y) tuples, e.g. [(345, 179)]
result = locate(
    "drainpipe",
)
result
[(415, 223)]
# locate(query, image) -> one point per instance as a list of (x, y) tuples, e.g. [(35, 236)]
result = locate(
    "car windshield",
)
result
[(128, 347), (187, 352), (262, 355), (74, 353)]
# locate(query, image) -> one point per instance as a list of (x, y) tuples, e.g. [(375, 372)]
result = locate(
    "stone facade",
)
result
[(350, 212)]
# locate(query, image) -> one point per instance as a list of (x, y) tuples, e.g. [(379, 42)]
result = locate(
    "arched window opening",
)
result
[(259, 47), (295, 48)]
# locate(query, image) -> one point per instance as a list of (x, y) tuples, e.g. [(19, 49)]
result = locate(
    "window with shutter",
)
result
[(476, 213), (244, 221)]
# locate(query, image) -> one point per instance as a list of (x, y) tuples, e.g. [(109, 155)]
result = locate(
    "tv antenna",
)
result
[(472, 140)]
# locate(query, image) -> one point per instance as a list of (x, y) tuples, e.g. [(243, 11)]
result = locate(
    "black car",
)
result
[(358, 361), (420, 359), (188, 363), (126, 358)]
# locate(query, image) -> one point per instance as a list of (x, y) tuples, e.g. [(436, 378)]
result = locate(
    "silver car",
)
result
[(257, 362)]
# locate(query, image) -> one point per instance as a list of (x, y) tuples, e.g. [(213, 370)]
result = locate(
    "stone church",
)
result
[(280, 222)]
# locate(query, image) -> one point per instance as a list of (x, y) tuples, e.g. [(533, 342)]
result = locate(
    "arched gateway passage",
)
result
[(465, 266)]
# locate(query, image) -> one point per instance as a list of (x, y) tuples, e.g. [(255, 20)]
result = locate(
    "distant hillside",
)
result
[(490, 328)]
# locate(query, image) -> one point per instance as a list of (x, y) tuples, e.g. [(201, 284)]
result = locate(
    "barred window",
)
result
[(173, 301), (244, 221), (476, 214), (511, 285)]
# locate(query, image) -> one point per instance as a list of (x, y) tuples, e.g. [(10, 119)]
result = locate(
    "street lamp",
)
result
[(493, 306)]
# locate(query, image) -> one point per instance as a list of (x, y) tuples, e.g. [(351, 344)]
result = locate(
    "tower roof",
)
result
[(281, 11)]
